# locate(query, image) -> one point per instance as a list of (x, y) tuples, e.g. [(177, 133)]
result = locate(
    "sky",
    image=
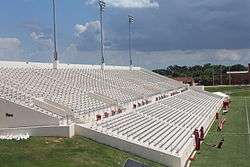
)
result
[(165, 32)]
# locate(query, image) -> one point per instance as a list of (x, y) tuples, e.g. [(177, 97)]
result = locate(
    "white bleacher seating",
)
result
[(166, 124), (69, 85)]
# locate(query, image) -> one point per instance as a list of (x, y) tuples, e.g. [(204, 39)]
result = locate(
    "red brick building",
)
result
[(239, 77)]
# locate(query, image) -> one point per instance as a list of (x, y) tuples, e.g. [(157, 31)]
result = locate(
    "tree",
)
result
[(202, 74)]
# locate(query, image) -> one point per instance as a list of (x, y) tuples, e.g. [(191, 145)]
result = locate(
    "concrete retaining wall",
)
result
[(22, 116), (57, 131), (165, 159)]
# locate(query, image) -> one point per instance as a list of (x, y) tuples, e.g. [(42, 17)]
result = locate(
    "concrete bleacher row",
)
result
[(70, 86), (24, 99), (36, 85), (166, 125)]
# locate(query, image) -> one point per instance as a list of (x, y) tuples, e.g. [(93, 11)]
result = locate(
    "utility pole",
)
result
[(102, 5), (213, 71), (130, 21), (213, 75), (230, 79), (56, 62), (221, 77)]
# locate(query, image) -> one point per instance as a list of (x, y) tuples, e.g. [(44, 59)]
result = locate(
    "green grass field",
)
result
[(62, 152), (235, 151), (82, 152)]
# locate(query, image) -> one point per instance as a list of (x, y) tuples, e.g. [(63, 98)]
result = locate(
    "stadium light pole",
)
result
[(55, 63), (102, 5), (130, 21)]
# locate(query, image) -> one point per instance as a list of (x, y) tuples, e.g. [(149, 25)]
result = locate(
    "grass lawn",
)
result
[(62, 152), (235, 151), (232, 90)]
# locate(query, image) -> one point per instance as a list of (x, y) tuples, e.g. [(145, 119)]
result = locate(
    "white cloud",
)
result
[(10, 43), (80, 28), (87, 35), (227, 55), (69, 52), (129, 3), (10, 49), (153, 59), (41, 39), (92, 26), (36, 36)]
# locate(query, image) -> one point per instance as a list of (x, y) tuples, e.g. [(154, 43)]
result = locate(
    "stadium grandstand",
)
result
[(134, 110)]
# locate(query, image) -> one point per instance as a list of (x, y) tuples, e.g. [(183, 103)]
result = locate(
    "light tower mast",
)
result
[(130, 21), (56, 61), (102, 5)]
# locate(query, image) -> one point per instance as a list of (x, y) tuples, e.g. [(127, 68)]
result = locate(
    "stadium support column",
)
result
[(56, 61), (130, 21), (102, 5)]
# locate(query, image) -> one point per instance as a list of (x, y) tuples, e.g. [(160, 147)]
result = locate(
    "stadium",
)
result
[(98, 115), (131, 109)]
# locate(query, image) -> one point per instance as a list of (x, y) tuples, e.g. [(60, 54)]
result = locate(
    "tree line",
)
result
[(206, 74)]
